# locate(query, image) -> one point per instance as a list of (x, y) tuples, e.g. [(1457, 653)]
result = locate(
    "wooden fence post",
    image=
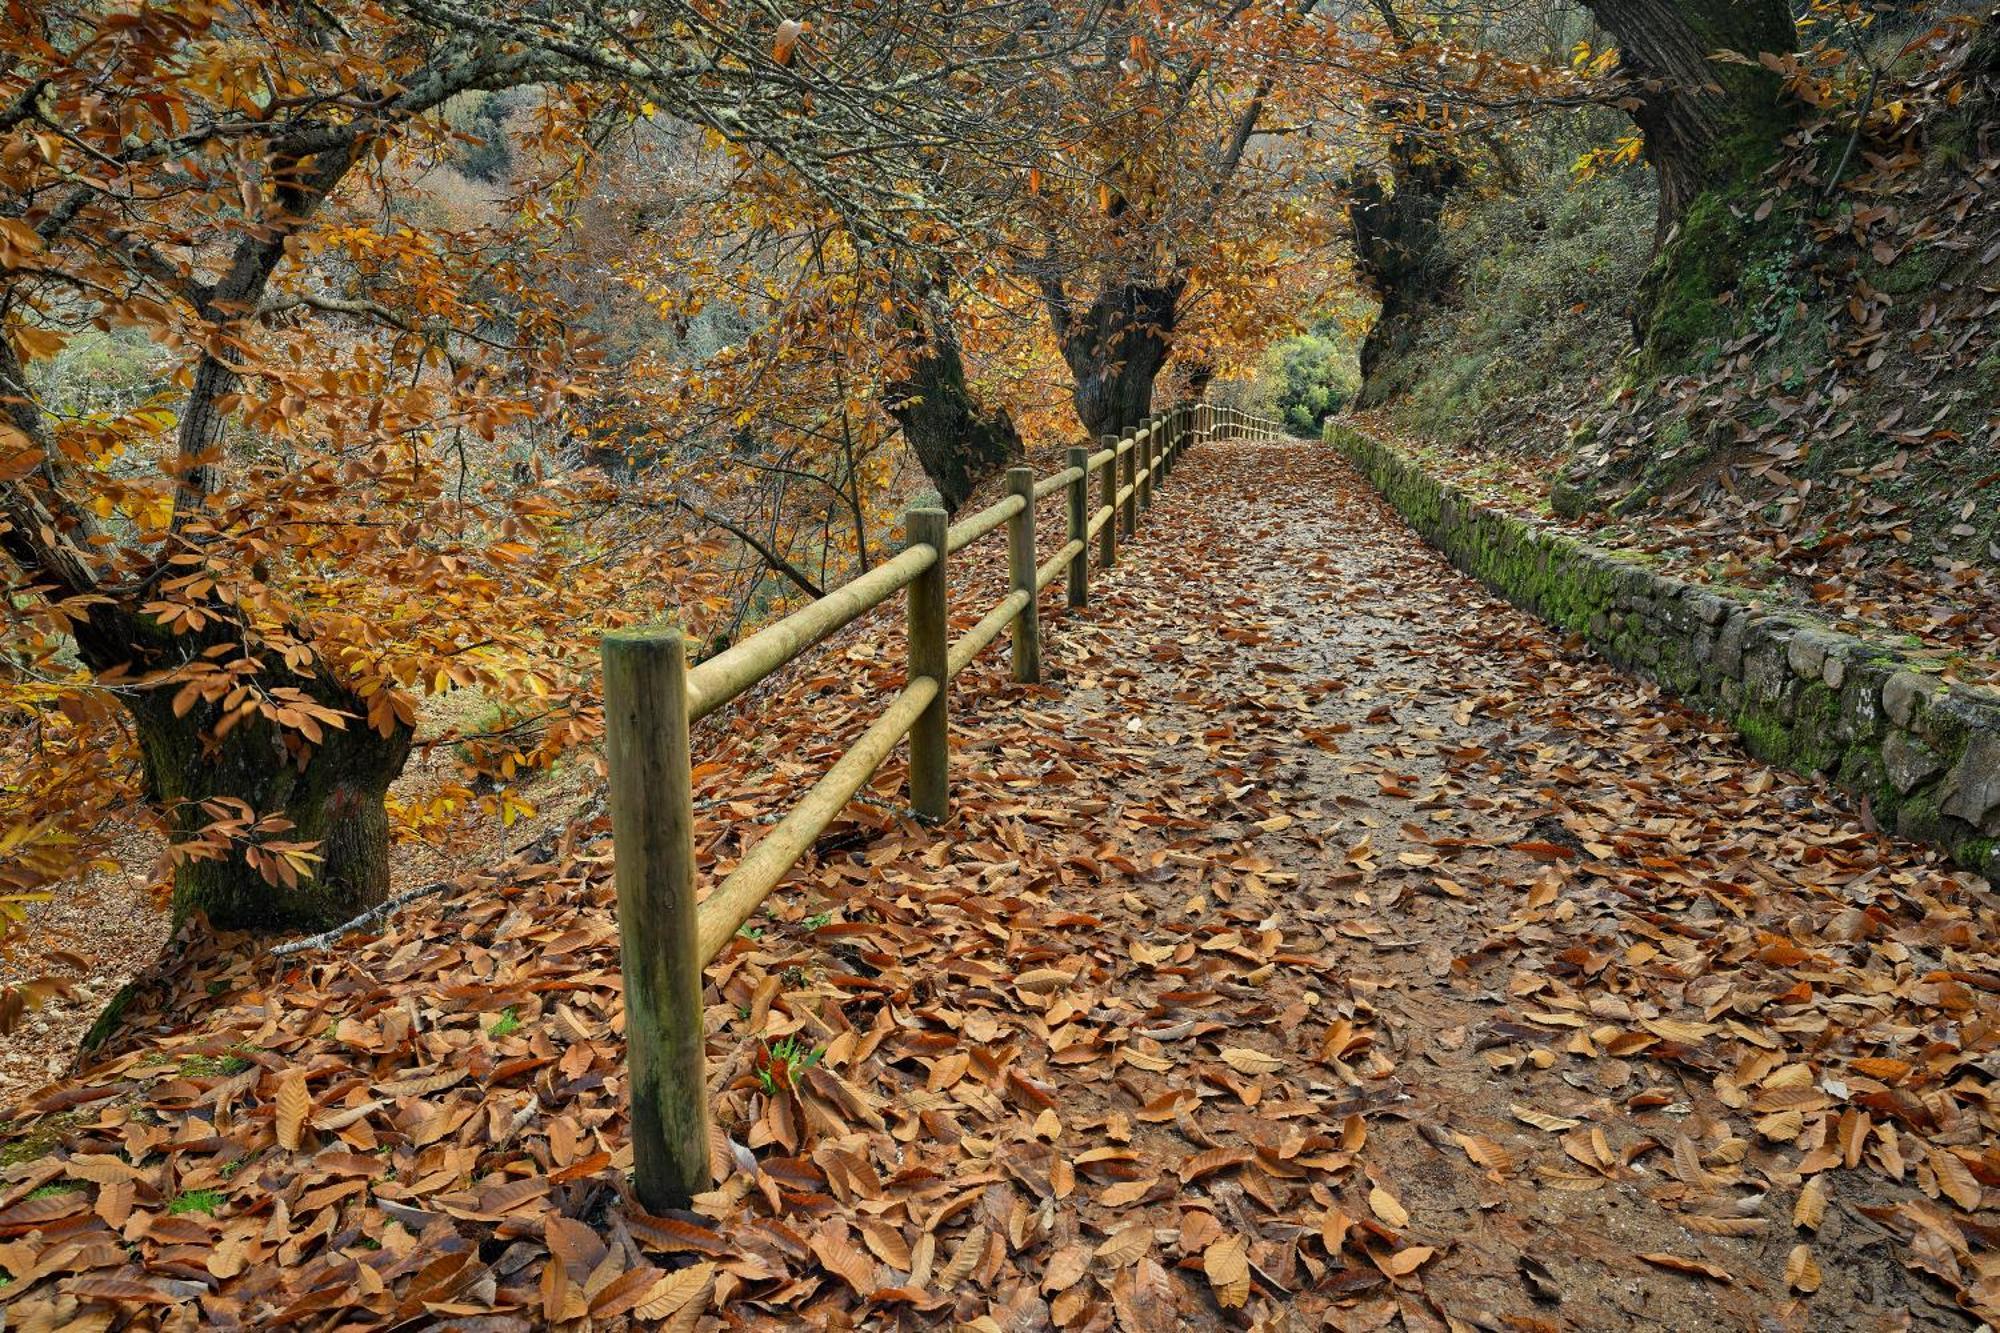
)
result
[(930, 648), (1142, 463), (1107, 536), (652, 829), (1021, 574), (1128, 513), (1078, 492)]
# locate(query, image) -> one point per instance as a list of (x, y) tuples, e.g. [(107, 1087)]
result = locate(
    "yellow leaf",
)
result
[(1387, 1207), (1811, 1206), (674, 1291), (1227, 1263), (1802, 1271), (294, 1105), (1247, 1061)]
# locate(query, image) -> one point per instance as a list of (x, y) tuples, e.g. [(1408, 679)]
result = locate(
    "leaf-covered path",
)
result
[(1324, 946)]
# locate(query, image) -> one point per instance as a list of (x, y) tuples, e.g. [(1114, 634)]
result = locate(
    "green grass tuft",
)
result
[(196, 1201)]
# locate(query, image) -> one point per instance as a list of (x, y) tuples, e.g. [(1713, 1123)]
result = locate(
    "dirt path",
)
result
[(1622, 982), (1322, 946)]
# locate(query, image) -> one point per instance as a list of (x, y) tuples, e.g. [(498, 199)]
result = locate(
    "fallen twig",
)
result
[(373, 914)]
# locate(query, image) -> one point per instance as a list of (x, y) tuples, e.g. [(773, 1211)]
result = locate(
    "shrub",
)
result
[(1310, 378)]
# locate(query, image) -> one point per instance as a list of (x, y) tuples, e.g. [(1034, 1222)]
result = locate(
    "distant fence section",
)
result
[(652, 697)]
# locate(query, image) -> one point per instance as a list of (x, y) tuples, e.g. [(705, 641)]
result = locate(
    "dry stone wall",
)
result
[(1924, 754)]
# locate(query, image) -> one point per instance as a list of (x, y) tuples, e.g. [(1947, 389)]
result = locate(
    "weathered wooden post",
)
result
[(652, 832), (1143, 449), (1021, 575), (1107, 536), (1078, 491), (1128, 513), (929, 634)]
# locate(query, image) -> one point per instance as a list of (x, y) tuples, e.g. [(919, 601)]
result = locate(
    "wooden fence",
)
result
[(652, 697)]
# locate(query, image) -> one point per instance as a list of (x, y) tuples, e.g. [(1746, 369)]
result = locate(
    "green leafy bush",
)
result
[(1309, 378)]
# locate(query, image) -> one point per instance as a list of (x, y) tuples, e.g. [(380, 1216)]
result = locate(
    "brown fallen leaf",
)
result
[(1408, 1260), (1693, 1267), (1811, 1205), (1066, 1268), (1802, 1271), (1214, 1160), (294, 1105), (1487, 1153), (1244, 1060), (1124, 1246), (1043, 980), (1227, 1263), (675, 1290), (1554, 1124), (1388, 1208)]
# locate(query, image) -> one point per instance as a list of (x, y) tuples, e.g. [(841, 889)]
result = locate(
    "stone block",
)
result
[(1904, 692), (1807, 652), (1729, 644), (1908, 762), (1975, 784)]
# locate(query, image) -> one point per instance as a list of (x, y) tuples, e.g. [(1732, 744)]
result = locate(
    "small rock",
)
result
[(1976, 781), (1909, 761), (1806, 654), (1901, 692)]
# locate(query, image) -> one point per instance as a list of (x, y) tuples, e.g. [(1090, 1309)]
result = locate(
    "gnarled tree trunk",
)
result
[(958, 441), (1712, 127), (333, 793), (1115, 349), (1707, 122), (1397, 235)]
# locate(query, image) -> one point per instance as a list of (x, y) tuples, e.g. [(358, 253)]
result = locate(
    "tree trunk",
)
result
[(1115, 350), (1708, 123), (956, 439), (1397, 233), (1712, 128), (332, 793)]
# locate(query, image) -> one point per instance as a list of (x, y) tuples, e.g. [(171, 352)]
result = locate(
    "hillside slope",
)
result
[(1835, 441)]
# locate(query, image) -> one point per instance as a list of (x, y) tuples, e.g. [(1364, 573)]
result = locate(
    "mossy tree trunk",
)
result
[(1115, 348), (1396, 227), (957, 439), (332, 793), (1712, 127), (1707, 122), (1395, 220)]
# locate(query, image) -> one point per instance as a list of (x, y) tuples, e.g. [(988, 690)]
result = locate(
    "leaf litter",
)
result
[(1325, 945)]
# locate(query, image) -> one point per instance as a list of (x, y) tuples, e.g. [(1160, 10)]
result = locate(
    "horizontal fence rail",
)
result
[(652, 697)]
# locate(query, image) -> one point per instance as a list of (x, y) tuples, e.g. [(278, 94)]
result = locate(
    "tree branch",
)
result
[(750, 539)]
